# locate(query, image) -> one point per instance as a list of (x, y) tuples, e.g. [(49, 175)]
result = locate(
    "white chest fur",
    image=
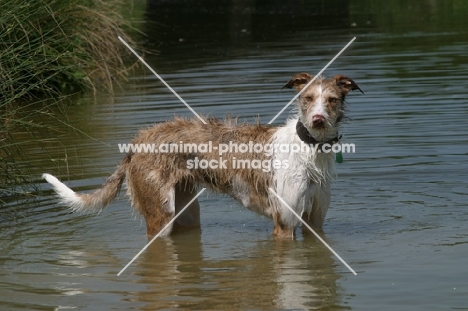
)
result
[(306, 173)]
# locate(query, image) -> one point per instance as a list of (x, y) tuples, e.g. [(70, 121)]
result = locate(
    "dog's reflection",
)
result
[(269, 274)]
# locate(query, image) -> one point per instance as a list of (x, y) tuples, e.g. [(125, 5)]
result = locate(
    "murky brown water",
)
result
[(399, 215)]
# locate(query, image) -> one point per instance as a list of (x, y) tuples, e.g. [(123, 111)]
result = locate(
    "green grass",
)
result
[(50, 49)]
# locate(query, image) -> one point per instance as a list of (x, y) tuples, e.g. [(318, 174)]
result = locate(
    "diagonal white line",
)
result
[(310, 82), (162, 80), (312, 230), (161, 231)]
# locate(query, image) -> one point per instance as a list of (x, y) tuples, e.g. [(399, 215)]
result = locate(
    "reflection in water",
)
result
[(269, 275)]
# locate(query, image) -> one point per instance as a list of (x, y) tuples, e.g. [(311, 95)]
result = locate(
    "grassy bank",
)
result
[(50, 49)]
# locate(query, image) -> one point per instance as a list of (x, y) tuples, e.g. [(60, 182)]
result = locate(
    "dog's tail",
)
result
[(95, 201)]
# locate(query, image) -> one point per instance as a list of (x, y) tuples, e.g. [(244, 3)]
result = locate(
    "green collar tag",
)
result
[(339, 157)]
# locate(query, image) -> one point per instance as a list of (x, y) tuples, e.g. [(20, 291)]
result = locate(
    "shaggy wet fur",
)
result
[(161, 184)]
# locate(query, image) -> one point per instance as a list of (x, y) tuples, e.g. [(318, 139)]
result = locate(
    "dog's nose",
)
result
[(318, 119)]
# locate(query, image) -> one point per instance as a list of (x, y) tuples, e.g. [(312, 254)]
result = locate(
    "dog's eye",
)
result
[(333, 100), (308, 98)]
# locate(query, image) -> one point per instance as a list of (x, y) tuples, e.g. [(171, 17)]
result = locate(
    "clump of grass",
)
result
[(51, 49)]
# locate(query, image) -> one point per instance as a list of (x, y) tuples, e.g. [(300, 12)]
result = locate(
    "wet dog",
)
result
[(240, 160)]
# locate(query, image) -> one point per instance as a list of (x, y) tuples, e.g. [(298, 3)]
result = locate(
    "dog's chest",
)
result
[(297, 181)]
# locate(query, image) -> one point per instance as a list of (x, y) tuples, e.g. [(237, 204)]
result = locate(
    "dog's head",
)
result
[(321, 105)]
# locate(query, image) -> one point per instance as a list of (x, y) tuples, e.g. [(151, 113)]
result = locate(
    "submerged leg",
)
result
[(184, 192)]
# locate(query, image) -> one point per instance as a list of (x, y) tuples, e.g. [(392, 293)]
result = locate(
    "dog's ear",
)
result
[(298, 81), (346, 84)]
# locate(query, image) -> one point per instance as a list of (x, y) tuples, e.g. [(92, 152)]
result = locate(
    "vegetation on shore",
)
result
[(50, 49)]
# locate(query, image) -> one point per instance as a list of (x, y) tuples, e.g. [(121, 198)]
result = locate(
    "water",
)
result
[(398, 216)]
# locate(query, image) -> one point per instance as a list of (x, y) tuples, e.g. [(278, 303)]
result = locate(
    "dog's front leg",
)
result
[(281, 230), (320, 204)]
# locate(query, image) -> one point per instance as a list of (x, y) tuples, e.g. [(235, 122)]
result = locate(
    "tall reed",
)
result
[(50, 49)]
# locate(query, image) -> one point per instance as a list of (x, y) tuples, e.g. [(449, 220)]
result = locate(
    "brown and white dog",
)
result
[(160, 184)]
